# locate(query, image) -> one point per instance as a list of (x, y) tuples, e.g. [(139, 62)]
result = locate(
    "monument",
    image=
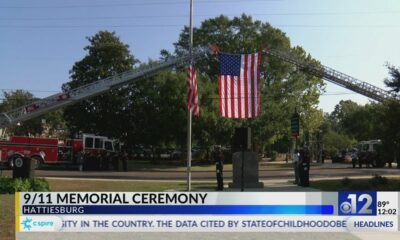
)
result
[(244, 161)]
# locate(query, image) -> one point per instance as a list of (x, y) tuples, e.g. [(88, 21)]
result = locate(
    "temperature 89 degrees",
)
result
[(357, 203), (385, 209)]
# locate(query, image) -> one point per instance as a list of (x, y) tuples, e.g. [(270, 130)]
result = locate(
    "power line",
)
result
[(27, 90), (198, 15), (90, 26), (179, 25), (147, 3)]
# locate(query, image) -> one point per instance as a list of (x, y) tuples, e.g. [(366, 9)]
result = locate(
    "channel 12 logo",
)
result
[(357, 203)]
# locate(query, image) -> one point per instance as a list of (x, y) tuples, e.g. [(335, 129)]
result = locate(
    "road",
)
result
[(273, 174)]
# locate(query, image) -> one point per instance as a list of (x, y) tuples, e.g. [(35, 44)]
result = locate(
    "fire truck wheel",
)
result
[(18, 162), (37, 161)]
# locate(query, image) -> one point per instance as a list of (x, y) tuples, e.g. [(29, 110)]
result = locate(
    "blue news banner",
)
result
[(206, 211)]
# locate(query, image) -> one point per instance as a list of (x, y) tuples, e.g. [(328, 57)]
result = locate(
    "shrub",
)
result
[(10, 185), (40, 185), (6, 185), (346, 182), (21, 185), (378, 180), (274, 155)]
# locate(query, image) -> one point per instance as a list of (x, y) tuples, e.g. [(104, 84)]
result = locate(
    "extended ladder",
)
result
[(65, 98), (336, 77)]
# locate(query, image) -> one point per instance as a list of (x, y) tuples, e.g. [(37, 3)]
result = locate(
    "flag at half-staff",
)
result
[(239, 85), (192, 96)]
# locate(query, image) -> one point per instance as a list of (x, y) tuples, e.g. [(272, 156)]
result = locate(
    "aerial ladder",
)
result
[(72, 96), (335, 77)]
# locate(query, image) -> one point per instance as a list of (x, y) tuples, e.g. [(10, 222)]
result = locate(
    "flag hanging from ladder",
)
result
[(239, 85), (192, 97)]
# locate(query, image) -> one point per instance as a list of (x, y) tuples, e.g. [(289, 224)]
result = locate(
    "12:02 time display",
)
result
[(384, 211)]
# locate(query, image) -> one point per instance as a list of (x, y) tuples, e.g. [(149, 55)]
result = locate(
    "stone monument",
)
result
[(250, 170)]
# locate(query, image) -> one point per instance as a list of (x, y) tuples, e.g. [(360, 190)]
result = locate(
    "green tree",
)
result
[(335, 142), (15, 99), (105, 114), (390, 130), (346, 118), (361, 122), (390, 118), (283, 86), (394, 81), (366, 122), (157, 115), (54, 124)]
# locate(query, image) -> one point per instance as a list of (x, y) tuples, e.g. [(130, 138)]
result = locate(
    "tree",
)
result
[(157, 114), (371, 121), (346, 117), (54, 125), (390, 130), (350, 121), (394, 81), (283, 86), (358, 121), (391, 117), (15, 99), (105, 114), (335, 142)]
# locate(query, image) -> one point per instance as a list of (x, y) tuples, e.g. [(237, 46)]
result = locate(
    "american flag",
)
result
[(239, 85), (192, 97)]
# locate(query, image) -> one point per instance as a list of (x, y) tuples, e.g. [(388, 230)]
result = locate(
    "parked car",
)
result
[(177, 154), (163, 153)]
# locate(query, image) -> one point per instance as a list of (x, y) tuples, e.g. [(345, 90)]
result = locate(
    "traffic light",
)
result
[(295, 124)]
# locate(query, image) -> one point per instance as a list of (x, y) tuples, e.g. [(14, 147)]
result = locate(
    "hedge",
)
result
[(10, 185)]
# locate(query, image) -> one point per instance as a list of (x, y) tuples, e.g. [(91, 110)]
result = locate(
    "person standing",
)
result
[(304, 167), (354, 157), (115, 161), (125, 160), (80, 159), (295, 159), (219, 167)]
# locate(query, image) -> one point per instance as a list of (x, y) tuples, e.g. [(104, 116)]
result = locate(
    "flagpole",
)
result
[(189, 133)]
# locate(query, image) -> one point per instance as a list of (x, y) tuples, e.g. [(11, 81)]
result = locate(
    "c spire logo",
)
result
[(27, 224)]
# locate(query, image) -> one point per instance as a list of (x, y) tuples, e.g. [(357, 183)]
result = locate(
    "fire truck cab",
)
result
[(369, 146), (369, 154), (94, 144)]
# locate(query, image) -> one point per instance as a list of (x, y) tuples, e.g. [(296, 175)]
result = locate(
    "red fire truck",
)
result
[(53, 150)]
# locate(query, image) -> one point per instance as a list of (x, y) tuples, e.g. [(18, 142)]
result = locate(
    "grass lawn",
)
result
[(369, 184), (180, 166), (138, 165), (7, 216), (122, 186), (7, 200)]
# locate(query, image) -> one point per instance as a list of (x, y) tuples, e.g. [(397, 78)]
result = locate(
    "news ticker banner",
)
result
[(206, 211)]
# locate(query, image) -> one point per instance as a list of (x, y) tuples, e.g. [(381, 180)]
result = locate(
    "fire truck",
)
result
[(53, 150), (370, 153)]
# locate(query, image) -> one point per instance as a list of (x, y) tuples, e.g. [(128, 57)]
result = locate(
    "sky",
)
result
[(41, 40)]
